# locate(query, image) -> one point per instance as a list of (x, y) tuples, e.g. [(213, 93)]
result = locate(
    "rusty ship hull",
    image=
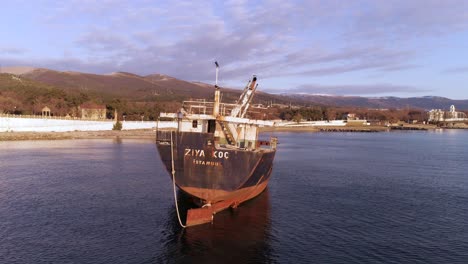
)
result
[(213, 153), (212, 174)]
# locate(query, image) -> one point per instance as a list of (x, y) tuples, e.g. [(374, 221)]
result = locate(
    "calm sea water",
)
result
[(399, 197)]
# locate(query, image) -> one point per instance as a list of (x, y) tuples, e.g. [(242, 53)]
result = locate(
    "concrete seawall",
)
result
[(16, 124)]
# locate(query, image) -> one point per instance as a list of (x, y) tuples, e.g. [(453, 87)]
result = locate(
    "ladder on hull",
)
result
[(228, 134)]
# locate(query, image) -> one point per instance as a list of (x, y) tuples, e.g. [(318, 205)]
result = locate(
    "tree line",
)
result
[(316, 113)]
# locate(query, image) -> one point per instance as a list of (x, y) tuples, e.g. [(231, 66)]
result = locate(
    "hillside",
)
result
[(132, 95), (123, 84), (132, 87), (23, 96), (137, 96), (163, 88), (16, 69), (115, 84)]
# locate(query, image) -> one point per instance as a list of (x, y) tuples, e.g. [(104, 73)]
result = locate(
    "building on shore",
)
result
[(350, 116), (45, 112), (92, 111), (438, 115)]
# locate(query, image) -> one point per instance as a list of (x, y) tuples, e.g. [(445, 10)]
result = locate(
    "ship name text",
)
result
[(201, 153), (206, 163)]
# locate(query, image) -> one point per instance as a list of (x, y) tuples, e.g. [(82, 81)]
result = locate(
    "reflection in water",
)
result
[(239, 235), (118, 140)]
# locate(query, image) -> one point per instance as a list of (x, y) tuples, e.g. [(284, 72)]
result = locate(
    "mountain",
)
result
[(121, 84), (28, 89), (116, 84), (24, 96), (425, 103), (16, 69), (154, 87), (133, 95)]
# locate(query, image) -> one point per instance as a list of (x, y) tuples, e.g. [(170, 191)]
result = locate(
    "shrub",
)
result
[(117, 126)]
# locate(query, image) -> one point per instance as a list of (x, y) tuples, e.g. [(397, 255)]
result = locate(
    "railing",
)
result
[(272, 143), (203, 107)]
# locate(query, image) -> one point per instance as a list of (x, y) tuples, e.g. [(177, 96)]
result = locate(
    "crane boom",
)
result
[(243, 104)]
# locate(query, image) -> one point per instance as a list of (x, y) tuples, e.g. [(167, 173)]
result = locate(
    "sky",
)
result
[(370, 48)]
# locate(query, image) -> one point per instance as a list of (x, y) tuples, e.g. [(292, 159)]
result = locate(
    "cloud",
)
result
[(462, 69), (12, 51), (400, 67), (270, 38), (402, 20), (366, 89), (101, 40)]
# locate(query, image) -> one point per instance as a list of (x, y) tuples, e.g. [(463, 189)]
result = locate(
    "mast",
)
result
[(217, 97)]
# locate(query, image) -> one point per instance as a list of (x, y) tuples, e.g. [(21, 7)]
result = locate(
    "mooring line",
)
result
[(174, 184)]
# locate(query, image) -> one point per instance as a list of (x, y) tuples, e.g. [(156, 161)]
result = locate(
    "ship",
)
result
[(214, 153)]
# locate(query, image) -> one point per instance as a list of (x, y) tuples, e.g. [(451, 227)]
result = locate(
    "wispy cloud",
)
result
[(402, 20), (101, 40), (12, 50), (463, 69)]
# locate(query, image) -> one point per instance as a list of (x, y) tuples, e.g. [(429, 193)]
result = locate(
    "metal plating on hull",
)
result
[(212, 174)]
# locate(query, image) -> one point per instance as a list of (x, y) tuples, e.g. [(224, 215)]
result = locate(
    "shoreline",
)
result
[(150, 134), (112, 134), (354, 129)]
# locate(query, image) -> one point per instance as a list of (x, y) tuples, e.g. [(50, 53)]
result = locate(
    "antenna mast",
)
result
[(217, 69), (217, 97)]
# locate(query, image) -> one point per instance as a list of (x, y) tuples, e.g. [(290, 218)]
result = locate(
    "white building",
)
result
[(438, 115)]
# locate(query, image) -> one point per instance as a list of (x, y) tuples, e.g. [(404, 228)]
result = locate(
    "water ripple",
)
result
[(333, 198)]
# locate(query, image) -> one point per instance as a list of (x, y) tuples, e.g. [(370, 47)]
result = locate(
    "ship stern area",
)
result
[(216, 177)]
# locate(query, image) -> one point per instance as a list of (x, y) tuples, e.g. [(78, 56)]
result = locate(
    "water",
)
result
[(399, 197)]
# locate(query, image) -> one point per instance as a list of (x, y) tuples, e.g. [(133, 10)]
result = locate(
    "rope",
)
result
[(174, 184)]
